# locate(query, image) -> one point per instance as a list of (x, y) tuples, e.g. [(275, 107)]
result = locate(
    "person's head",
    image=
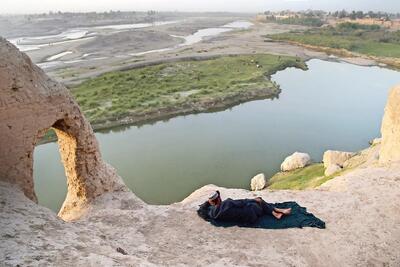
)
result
[(215, 198)]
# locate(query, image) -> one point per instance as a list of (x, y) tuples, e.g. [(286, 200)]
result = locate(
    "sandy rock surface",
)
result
[(360, 209), (391, 128), (295, 161)]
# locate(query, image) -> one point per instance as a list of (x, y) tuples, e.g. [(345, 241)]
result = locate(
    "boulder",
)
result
[(332, 157), (295, 161), (331, 169), (258, 182), (390, 130)]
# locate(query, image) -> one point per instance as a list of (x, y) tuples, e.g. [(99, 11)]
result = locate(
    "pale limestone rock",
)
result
[(258, 182), (30, 104), (295, 161), (390, 130), (331, 169), (332, 157), (366, 157)]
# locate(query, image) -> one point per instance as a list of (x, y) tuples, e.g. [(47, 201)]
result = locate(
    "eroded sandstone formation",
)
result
[(30, 104), (390, 151)]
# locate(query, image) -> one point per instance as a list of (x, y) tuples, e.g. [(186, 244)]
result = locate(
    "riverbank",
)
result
[(246, 42), (352, 57), (350, 40), (170, 89), (111, 51), (159, 91)]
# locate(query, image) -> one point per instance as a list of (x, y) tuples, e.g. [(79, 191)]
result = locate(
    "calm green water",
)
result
[(330, 106)]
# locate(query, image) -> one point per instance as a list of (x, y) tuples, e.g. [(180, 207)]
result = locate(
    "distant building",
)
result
[(277, 16)]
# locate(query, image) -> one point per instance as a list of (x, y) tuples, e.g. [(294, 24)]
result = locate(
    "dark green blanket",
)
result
[(299, 218)]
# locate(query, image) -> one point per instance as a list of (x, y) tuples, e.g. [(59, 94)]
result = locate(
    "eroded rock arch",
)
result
[(30, 104)]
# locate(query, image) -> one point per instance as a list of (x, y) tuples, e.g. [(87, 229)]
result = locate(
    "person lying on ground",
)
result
[(245, 211)]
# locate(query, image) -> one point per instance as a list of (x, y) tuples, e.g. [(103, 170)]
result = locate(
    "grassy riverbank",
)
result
[(308, 177), (170, 89), (369, 40)]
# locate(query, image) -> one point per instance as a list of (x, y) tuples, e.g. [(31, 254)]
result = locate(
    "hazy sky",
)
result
[(36, 6)]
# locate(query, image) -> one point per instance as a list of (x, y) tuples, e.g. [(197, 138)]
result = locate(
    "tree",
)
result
[(342, 14), (360, 14), (353, 15), (371, 14), (151, 14)]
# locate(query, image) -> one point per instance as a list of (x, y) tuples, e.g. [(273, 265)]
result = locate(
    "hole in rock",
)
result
[(48, 173)]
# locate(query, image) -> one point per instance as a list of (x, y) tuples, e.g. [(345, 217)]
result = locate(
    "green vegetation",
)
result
[(361, 15), (308, 177), (68, 72), (349, 26), (180, 85), (306, 21), (365, 39), (49, 136)]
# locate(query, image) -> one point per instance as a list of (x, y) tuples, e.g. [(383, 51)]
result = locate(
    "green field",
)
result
[(185, 84), (306, 21), (308, 177), (364, 39)]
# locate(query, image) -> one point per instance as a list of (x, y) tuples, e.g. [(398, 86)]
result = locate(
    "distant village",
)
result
[(319, 18)]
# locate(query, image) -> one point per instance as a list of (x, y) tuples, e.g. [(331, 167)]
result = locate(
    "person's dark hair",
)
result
[(203, 211)]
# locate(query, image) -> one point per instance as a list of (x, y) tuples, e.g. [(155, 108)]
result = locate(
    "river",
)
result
[(330, 106)]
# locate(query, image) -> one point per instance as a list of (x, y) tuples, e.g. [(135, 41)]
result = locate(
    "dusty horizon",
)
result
[(236, 6)]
